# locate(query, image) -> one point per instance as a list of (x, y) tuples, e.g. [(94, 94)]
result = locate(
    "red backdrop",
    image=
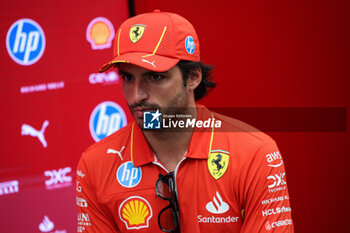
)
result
[(37, 180), (291, 54), (268, 55)]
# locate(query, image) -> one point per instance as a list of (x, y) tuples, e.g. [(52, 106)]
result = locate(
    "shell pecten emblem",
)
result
[(100, 33), (135, 212)]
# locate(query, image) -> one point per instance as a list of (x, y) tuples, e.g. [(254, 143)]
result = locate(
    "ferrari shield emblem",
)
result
[(218, 163), (136, 32)]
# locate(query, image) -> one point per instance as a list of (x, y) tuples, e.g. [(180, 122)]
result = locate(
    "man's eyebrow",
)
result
[(144, 74), (154, 72), (123, 72)]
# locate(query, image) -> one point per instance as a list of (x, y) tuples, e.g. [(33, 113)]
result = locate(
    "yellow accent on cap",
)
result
[(160, 40)]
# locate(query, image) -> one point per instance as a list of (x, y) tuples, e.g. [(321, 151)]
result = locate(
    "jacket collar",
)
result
[(199, 146)]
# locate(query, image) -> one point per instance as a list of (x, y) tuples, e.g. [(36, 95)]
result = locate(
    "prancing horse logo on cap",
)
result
[(136, 32)]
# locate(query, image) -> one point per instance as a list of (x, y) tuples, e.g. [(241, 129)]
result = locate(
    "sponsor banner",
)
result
[(39, 134), (277, 210), (80, 229), (83, 222), (42, 87), (213, 219), (9, 187), (58, 178), (135, 212), (104, 78), (116, 152), (190, 45), (217, 206), (80, 173), (83, 219), (128, 176), (105, 119), (277, 182), (47, 226), (275, 199), (25, 42), (281, 223), (78, 187), (81, 202), (277, 189), (100, 33), (274, 159)]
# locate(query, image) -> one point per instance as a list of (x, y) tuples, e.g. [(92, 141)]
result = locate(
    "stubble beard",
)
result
[(177, 105)]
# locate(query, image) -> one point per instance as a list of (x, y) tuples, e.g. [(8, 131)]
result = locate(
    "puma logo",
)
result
[(152, 63), (112, 151), (29, 130)]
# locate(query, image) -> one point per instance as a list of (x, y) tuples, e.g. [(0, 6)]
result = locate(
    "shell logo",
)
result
[(135, 212), (100, 33)]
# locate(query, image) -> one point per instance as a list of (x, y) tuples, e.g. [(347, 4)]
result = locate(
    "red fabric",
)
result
[(254, 182)]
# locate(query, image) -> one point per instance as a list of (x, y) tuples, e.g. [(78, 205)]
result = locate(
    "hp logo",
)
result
[(25, 42), (190, 46), (128, 175), (105, 119)]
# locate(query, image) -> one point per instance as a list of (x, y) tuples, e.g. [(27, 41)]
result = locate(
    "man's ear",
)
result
[(194, 79)]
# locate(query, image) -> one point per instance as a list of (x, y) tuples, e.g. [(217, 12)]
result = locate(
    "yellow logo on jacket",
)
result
[(135, 212), (136, 32), (217, 163)]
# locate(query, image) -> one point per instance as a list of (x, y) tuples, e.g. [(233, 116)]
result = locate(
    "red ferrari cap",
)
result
[(156, 41)]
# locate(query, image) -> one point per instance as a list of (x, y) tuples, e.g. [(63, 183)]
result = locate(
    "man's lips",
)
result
[(138, 111)]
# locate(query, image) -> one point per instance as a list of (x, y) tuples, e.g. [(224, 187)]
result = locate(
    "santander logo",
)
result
[(217, 206), (46, 225)]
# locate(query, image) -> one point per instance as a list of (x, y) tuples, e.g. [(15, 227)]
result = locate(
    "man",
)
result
[(209, 173)]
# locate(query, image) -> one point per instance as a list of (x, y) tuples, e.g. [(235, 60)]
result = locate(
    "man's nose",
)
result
[(140, 91)]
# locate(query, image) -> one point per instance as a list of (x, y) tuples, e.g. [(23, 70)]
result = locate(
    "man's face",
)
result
[(147, 90)]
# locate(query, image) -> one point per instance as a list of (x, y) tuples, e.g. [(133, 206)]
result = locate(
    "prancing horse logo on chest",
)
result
[(218, 161)]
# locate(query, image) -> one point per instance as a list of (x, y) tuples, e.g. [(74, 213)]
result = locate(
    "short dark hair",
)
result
[(206, 85)]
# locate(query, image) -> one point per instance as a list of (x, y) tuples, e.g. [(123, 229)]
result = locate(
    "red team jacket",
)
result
[(231, 179)]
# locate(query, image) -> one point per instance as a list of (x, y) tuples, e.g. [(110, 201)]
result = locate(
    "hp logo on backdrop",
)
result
[(128, 175), (25, 42), (105, 119)]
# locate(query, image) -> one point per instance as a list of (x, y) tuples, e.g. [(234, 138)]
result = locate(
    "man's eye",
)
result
[(126, 77), (156, 76)]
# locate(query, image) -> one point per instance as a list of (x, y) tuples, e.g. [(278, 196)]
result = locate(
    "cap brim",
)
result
[(145, 60)]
